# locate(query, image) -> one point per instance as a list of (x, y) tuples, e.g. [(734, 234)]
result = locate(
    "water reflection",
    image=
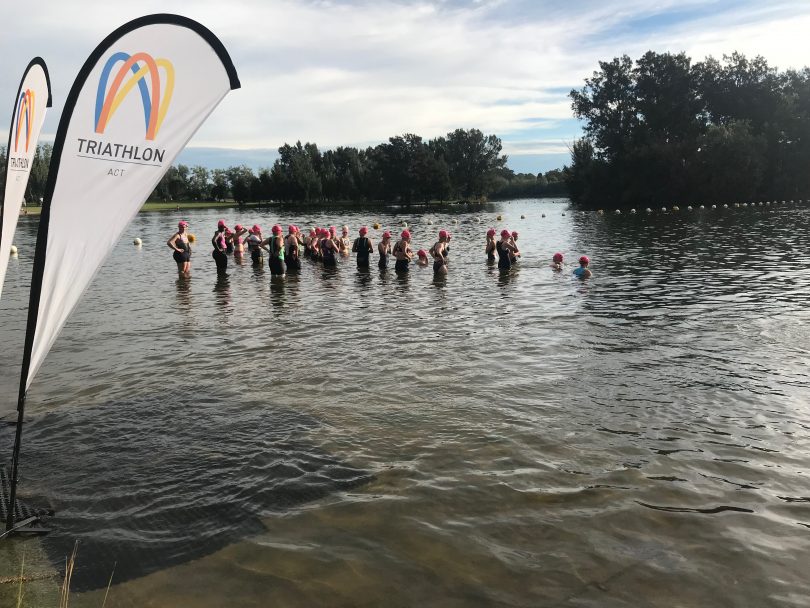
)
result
[(222, 290)]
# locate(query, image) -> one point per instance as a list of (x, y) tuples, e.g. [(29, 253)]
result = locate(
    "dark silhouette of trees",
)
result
[(664, 129)]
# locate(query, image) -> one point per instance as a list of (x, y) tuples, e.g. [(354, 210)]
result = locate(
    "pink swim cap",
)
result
[(363, 230), (405, 234), (584, 260), (256, 228), (228, 231), (277, 229), (221, 224), (238, 227), (505, 233), (422, 253), (558, 257), (514, 233), (386, 235), (332, 230), (312, 232), (182, 223), (491, 232), (292, 229), (443, 234)]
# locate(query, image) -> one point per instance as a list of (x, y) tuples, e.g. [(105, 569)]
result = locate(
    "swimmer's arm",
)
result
[(171, 242)]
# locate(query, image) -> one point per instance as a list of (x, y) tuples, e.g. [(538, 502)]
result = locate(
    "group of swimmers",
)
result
[(324, 245)]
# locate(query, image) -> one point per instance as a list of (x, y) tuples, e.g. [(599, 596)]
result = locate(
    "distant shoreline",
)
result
[(194, 205)]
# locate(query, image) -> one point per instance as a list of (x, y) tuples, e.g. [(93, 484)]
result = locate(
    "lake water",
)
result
[(348, 439)]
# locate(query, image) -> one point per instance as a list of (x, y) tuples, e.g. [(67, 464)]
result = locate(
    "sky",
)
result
[(358, 72)]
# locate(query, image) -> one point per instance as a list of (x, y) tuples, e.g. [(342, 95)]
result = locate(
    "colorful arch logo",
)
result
[(25, 112), (155, 100)]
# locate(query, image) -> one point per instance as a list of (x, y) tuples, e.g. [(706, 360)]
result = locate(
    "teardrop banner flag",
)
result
[(136, 102), (33, 97), (138, 99)]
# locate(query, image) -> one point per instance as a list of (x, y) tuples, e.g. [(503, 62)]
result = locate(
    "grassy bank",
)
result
[(161, 206)]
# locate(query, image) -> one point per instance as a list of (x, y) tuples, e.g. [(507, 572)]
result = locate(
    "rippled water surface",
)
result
[(348, 439)]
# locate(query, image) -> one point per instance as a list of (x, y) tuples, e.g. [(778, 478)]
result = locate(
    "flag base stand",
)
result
[(27, 520)]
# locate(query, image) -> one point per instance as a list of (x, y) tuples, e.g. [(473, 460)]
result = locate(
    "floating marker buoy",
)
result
[(543, 215), (499, 218), (714, 206), (454, 221), (137, 242), (404, 224), (760, 204), (618, 212), (649, 210), (769, 203), (13, 250), (523, 217), (600, 212), (192, 238), (376, 226), (563, 214), (725, 206), (676, 208), (702, 207), (746, 204), (689, 207), (430, 221), (663, 209), (736, 205), (633, 211)]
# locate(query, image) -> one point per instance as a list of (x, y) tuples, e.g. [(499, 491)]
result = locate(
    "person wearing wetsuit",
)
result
[(583, 272), (254, 243), (490, 247), (402, 252), (362, 247), (438, 253), (275, 245), (228, 241), (182, 250), (505, 248), (328, 249), (219, 253), (384, 249), (291, 249)]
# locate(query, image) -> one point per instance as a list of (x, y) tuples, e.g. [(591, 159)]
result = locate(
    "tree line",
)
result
[(664, 129), (464, 164)]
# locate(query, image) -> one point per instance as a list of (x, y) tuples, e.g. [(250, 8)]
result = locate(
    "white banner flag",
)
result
[(33, 97), (136, 102)]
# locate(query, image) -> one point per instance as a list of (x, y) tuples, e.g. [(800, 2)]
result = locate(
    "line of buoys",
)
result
[(13, 251)]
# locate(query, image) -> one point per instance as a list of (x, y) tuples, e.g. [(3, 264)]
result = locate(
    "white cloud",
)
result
[(356, 73)]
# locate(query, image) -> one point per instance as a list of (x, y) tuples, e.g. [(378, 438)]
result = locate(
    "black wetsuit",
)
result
[(276, 261), (291, 257), (362, 247), (504, 263), (383, 261), (328, 253), (181, 257), (401, 265), (219, 255), (255, 251)]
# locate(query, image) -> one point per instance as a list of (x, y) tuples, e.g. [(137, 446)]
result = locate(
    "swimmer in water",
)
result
[(490, 247), (182, 249), (345, 242), (402, 252), (557, 262), (516, 254), (438, 253), (384, 249), (291, 249), (421, 258), (219, 253), (505, 247), (255, 247), (363, 248), (275, 247), (583, 272), (236, 240), (329, 249)]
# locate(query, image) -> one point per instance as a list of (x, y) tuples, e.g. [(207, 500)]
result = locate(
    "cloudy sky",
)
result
[(356, 72)]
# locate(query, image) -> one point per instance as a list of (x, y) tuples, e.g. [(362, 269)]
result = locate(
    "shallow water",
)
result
[(353, 439)]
